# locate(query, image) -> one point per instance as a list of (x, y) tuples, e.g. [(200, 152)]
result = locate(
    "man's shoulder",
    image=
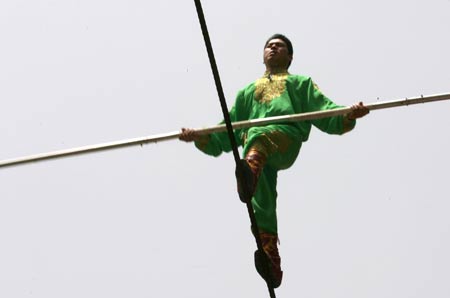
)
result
[(299, 77)]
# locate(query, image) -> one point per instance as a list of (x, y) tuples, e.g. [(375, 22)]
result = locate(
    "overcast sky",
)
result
[(360, 215)]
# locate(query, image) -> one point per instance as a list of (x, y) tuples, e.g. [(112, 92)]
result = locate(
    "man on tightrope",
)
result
[(268, 149)]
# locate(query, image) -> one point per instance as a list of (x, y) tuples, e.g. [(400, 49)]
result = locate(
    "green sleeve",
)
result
[(317, 101), (219, 142)]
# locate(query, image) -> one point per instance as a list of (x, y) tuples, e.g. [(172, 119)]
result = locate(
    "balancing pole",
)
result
[(218, 128)]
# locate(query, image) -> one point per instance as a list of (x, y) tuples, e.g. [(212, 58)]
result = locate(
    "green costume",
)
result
[(275, 95)]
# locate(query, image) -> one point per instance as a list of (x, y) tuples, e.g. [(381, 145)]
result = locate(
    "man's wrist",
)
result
[(349, 116), (202, 140)]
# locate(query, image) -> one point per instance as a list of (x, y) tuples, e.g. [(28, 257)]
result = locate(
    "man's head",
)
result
[(278, 52)]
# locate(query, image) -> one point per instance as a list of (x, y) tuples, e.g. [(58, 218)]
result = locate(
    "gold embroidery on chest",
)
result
[(268, 89)]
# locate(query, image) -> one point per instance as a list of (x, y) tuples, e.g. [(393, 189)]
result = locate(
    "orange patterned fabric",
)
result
[(256, 160), (269, 243)]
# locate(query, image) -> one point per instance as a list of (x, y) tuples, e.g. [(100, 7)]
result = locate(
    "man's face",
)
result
[(276, 54)]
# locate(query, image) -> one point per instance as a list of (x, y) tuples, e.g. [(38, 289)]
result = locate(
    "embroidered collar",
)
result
[(269, 75), (266, 73)]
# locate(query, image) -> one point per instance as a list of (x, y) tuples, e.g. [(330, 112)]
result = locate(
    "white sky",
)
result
[(363, 215)]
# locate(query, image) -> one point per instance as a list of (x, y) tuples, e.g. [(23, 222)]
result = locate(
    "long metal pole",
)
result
[(218, 128)]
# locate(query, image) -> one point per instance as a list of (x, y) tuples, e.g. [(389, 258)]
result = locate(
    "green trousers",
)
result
[(280, 146)]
